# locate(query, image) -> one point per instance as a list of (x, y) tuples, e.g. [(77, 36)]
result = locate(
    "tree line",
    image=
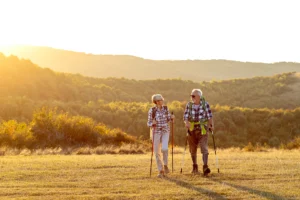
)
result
[(235, 126)]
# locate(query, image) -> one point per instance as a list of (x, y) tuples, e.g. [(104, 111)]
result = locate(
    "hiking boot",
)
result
[(161, 174), (195, 169), (206, 170), (166, 169)]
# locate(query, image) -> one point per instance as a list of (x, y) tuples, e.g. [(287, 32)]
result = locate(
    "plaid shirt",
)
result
[(197, 114), (162, 118)]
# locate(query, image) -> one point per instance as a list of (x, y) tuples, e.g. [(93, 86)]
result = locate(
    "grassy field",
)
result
[(243, 175)]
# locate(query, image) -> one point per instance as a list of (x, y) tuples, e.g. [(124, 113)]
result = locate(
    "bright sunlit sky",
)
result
[(244, 30)]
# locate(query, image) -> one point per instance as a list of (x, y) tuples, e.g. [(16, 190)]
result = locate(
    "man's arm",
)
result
[(186, 116)]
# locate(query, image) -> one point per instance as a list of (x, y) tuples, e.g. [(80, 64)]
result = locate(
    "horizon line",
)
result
[(141, 57)]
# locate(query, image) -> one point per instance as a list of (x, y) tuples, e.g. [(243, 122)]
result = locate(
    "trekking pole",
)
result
[(153, 131), (217, 162), (182, 161), (172, 126)]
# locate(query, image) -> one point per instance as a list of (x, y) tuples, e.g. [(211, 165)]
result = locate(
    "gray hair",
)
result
[(156, 97), (198, 91)]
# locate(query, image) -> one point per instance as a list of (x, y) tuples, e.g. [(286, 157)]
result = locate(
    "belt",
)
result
[(162, 128)]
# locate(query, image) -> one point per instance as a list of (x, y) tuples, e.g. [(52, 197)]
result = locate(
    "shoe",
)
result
[(166, 169), (195, 169), (206, 170), (161, 174)]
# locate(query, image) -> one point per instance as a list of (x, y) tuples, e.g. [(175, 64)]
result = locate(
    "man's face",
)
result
[(195, 97)]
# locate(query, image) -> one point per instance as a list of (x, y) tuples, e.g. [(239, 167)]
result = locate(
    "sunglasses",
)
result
[(193, 96)]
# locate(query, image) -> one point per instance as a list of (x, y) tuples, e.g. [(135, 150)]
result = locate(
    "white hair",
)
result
[(156, 97), (198, 91)]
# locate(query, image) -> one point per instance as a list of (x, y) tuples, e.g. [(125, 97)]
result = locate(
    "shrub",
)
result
[(15, 134), (294, 144), (249, 147), (52, 129), (274, 141)]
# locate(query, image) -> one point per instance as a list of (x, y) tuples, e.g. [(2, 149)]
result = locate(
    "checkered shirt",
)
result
[(162, 118), (197, 114)]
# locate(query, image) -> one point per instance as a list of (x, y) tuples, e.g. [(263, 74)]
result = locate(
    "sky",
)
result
[(243, 30)]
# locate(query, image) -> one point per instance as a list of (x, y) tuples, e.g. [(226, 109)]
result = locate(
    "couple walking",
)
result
[(198, 120)]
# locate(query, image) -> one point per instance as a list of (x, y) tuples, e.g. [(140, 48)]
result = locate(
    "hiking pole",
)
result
[(172, 126), (217, 162), (184, 151), (153, 131)]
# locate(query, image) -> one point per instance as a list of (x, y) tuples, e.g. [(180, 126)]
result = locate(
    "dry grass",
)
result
[(243, 175), (104, 149)]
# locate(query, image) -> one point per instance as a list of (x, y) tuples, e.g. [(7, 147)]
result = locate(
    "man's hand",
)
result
[(187, 124), (211, 128)]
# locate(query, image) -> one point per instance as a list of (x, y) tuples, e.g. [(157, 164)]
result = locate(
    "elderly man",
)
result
[(158, 118), (198, 120)]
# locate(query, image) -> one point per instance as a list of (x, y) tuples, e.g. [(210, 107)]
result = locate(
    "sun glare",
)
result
[(157, 30)]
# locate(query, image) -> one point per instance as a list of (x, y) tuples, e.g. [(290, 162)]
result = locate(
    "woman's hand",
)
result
[(153, 123), (173, 117)]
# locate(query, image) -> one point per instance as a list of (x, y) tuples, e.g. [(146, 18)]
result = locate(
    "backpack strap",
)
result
[(154, 112), (202, 99), (190, 111), (166, 108)]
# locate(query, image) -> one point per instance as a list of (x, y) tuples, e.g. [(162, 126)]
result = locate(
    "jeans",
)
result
[(161, 141)]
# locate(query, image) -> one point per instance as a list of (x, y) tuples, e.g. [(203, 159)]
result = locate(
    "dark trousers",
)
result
[(194, 140)]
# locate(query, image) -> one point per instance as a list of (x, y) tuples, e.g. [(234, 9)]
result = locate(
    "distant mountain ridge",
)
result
[(132, 67)]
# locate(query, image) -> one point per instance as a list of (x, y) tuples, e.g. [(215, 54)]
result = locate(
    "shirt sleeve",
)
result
[(149, 123), (208, 111), (168, 115), (186, 113)]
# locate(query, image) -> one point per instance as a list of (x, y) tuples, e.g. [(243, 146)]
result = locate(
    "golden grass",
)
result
[(104, 149), (274, 174)]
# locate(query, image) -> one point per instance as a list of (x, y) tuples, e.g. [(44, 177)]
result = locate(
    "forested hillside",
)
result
[(144, 69), (21, 78), (263, 110)]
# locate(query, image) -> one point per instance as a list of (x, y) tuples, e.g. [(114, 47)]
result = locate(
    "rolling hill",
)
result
[(23, 78), (132, 67)]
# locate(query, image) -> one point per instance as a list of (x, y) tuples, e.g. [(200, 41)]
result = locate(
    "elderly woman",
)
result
[(198, 120), (158, 118)]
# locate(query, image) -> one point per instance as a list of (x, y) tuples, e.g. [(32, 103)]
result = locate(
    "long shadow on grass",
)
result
[(264, 194), (197, 189)]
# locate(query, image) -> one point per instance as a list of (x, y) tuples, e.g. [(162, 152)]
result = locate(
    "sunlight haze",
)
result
[(255, 31)]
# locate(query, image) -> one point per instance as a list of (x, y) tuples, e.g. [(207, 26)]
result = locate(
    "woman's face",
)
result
[(159, 102)]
